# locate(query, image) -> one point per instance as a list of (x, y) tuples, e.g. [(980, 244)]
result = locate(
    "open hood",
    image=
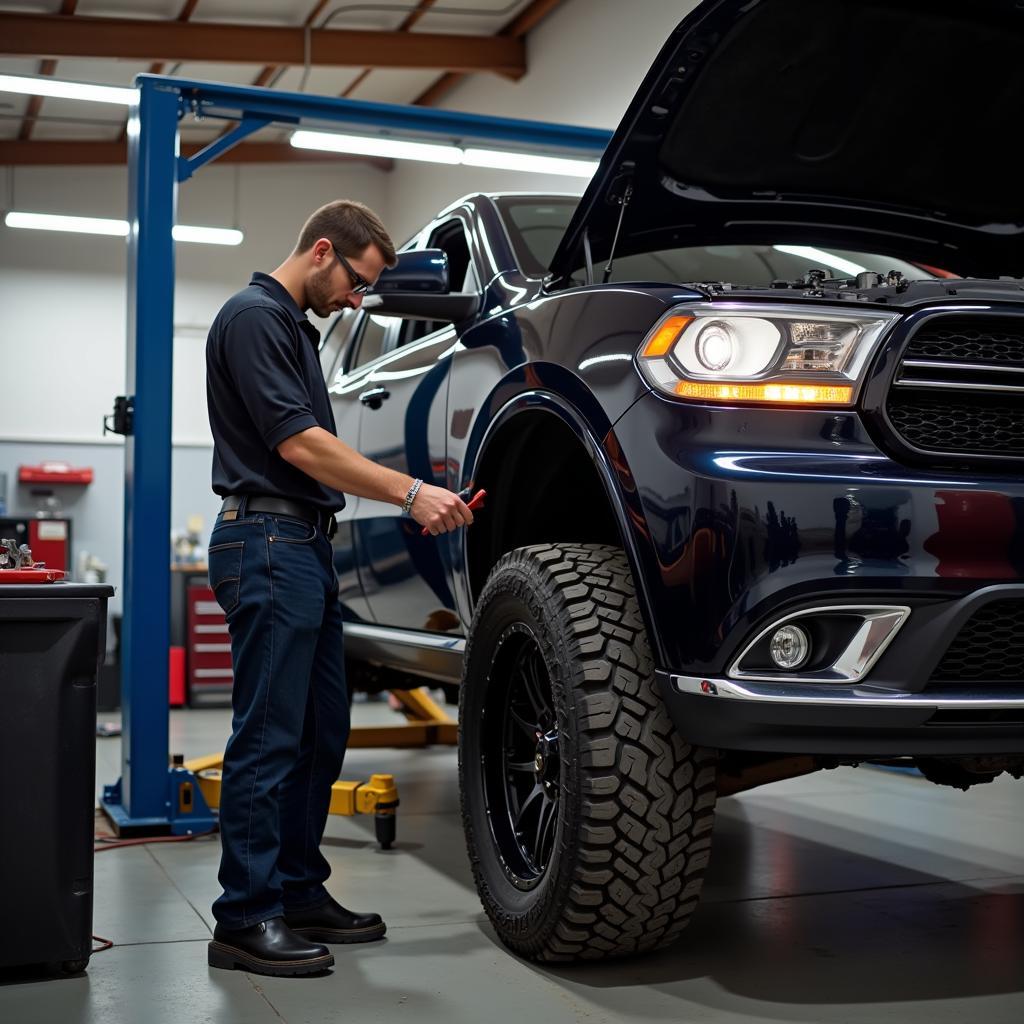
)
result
[(888, 126)]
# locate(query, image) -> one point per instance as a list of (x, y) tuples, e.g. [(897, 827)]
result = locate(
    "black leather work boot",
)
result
[(331, 922), (269, 947)]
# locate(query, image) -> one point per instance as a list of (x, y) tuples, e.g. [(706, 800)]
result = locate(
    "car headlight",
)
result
[(790, 355)]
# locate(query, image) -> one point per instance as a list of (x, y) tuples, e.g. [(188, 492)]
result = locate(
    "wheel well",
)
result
[(542, 488)]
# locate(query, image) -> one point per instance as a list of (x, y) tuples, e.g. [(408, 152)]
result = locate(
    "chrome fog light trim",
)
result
[(878, 628)]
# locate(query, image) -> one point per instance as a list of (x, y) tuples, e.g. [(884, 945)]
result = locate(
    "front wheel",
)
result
[(588, 819)]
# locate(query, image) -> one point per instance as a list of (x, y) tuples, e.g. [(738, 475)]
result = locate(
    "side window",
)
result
[(332, 345), (373, 333), (451, 237)]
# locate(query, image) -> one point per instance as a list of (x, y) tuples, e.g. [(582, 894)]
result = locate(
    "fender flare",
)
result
[(591, 436)]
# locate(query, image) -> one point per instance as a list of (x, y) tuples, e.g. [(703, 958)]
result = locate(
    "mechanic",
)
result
[(282, 471)]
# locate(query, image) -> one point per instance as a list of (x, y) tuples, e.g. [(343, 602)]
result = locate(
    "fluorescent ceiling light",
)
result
[(377, 146), (104, 226), (209, 236), (808, 252), (505, 161), (46, 86), (398, 149), (53, 222)]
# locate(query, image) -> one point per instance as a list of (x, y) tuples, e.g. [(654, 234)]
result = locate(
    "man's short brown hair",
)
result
[(351, 226)]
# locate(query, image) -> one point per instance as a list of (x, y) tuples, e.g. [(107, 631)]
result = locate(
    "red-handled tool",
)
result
[(474, 503)]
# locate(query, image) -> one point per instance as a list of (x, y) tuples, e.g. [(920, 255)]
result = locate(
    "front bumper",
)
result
[(752, 515), (853, 720)]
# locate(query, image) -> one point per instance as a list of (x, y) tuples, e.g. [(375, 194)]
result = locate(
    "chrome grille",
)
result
[(959, 388)]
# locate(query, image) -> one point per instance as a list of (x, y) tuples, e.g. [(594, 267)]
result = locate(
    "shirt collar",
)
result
[(278, 292)]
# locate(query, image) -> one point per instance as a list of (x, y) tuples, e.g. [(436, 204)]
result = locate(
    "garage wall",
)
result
[(63, 296)]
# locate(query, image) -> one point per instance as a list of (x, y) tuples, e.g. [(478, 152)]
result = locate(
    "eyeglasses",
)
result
[(360, 286)]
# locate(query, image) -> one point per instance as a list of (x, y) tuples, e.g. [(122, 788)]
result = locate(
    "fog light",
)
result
[(790, 647)]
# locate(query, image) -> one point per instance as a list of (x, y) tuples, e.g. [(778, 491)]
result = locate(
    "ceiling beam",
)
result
[(272, 69), (407, 24), (157, 67), (83, 153), (46, 67), (518, 27), (53, 35)]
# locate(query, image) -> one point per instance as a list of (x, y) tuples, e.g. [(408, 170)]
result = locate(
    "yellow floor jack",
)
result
[(427, 724)]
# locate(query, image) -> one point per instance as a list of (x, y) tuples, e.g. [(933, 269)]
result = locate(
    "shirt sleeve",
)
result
[(259, 352)]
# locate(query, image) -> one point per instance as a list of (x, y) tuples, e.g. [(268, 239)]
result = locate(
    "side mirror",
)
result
[(418, 270), (417, 289)]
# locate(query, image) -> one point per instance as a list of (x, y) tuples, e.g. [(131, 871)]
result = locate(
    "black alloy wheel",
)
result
[(520, 763), (587, 817)]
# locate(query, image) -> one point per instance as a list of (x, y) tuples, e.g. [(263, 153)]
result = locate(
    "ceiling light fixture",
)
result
[(110, 226), (538, 164), (396, 149), (45, 86), (399, 149)]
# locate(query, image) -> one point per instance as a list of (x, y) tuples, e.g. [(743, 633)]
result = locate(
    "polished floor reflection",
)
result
[(858, 895)]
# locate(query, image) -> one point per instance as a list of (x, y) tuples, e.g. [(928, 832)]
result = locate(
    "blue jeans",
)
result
[(274, 578)]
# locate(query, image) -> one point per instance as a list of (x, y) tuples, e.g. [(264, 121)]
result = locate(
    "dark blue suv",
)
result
[(750, 416)]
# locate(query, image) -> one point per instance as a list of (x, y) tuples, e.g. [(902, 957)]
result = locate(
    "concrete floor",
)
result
[(857, 896)]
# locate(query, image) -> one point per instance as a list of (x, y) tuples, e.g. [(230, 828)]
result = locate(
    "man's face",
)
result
[(330, 284)]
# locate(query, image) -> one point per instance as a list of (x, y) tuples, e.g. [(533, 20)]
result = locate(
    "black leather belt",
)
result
[(283, 507)]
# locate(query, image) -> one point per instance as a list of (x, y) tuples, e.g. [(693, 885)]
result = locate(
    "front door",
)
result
[(403, 424)]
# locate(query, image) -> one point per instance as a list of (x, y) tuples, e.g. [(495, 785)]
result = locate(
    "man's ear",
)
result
[(321, 247)]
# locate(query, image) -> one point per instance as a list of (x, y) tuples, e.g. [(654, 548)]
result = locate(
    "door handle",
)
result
[(374, 397)]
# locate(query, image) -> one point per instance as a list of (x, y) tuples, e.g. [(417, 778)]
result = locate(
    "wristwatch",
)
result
[(410, 496)]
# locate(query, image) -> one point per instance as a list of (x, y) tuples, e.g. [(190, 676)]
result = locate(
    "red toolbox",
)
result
[(207, 648)]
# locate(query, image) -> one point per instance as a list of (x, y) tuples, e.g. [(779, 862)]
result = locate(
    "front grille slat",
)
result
[(969, 339), (959, 388), (988, 649), (960, 424)]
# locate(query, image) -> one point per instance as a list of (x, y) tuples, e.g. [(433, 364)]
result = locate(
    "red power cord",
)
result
[(112, 843)]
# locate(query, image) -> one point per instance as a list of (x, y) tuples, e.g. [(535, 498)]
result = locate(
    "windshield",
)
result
[(535, 227)]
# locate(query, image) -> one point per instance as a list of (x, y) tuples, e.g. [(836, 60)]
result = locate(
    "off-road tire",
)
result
[(635, 802)]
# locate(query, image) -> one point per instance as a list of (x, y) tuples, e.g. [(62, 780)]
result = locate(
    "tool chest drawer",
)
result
[(208, 648)]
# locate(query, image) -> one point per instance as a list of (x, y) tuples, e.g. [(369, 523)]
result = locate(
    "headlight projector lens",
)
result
[(716, 346), (790, 647)]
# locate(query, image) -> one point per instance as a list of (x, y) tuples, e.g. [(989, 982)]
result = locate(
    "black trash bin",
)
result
[(52, 639)]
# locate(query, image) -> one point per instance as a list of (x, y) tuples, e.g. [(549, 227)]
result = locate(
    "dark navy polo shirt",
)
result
[(264, 384)]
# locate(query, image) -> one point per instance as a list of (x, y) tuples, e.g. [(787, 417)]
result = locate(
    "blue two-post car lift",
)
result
[(152, 797)]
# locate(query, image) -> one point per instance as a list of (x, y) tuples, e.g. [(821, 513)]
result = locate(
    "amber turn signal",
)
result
[(790, 394), (664, 337)]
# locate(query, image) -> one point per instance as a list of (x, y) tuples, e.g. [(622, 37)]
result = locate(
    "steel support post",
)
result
[(138, 802)]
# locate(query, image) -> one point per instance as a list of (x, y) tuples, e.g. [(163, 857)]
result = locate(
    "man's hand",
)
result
[(440, 510)]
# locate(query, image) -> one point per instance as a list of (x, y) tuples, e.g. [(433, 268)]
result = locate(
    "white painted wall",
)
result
[(63, 296), (585, 61)]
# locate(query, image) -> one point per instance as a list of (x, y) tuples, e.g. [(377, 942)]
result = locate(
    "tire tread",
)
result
[(638, 848)]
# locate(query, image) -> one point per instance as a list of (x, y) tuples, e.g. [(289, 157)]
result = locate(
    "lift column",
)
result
[(139, 801)]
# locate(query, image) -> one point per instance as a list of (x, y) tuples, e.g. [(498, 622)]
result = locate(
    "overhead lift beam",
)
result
[(148, 796)]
